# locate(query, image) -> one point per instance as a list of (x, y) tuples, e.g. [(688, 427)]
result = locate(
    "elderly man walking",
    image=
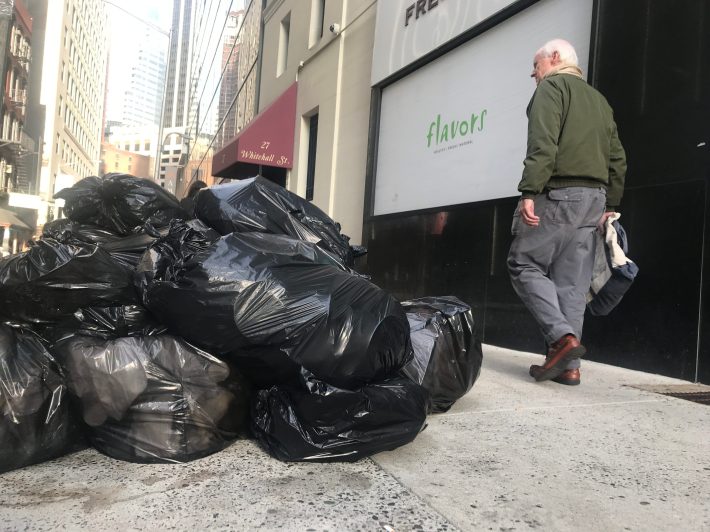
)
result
[(573, 179)]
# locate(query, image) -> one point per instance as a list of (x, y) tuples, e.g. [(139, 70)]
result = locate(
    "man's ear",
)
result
[(556, 58)]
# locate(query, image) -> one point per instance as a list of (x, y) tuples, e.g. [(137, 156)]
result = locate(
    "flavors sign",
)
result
[(455, 130)]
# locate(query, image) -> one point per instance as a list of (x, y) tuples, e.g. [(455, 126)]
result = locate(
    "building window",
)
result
[(137, 147), (317, 18), (312, 147), (283, 45)]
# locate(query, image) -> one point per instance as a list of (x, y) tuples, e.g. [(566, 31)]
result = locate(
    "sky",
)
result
[(125, 29)]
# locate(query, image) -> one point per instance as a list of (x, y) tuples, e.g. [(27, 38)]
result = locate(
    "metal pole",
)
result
[(159, 154), (159, 140)]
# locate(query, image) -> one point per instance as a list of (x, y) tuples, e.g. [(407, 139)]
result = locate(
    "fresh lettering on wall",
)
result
[(419, 9), (447, 131)]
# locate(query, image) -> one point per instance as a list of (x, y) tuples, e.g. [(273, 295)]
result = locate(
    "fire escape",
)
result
[(15, 146)]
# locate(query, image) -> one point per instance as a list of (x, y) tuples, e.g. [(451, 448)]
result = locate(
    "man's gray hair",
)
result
[(567, 54)]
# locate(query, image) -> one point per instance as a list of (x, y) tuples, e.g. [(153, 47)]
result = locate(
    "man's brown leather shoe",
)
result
[(560, 353), (570, 377)]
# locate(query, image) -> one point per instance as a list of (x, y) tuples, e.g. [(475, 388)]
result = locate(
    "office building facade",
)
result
[(74, 73)]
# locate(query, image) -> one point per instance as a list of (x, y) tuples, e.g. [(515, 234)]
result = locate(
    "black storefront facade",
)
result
[(652, 61)]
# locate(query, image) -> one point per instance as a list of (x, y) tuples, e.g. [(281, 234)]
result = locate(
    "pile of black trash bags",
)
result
[(158, 335)]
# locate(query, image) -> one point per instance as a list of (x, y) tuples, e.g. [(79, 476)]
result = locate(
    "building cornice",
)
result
[(271, 9)]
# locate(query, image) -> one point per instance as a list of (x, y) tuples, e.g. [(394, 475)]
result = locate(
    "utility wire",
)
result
[(195, 77), (199, 127), (218, 88), (149, 24), (234, 100)]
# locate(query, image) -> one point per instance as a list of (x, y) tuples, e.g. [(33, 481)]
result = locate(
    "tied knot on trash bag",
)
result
[(120, 202)]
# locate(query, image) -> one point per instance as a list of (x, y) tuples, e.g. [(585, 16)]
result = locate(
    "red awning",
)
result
[(266, 141)]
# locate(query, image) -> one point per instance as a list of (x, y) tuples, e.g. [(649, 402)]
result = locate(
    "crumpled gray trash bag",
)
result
[(154, 399)]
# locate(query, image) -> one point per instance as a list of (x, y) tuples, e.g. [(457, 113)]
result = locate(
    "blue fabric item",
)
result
[(621, 279)]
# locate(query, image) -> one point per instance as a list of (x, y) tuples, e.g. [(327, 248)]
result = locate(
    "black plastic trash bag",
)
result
[(52, 280), (166, 256), (120, 202), (154, 399), (257, 290), (64, 229), (322, 423), (128, 250), (104, 322), (35, 419), (258, 204), (447, 353)]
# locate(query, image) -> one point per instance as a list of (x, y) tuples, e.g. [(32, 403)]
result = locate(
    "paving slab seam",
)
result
[(552, 407), (414, 493)]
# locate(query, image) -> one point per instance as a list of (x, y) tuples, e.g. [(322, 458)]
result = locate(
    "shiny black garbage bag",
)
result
[(36, 423), (154, 399), (447, 353), (65, 229), (120, 203), (127, 249), (258, 204), (321, 423), (165, 258), (104, 322), (281, 302), (52, 280)]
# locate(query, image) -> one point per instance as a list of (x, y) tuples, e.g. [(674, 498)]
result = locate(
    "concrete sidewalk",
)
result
[(511, 455)]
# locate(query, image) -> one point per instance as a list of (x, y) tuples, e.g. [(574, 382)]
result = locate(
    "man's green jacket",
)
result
[(572, 140)]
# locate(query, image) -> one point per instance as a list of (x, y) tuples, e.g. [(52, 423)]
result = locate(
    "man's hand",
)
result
[(527, 212), (601, 224)]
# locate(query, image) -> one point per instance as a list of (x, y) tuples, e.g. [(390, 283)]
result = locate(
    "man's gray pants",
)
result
[(551, 265)]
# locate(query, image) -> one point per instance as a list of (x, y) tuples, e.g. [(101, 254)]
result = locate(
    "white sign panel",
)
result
[(455, 130), (409, 29), (63, 181), (26, 201)]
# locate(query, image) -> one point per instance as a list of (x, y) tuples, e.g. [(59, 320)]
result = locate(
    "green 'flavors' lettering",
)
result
[(445, 131)]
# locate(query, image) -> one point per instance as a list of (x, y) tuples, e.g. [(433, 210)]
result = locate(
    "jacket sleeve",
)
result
[(617, 171), (544, 123)]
